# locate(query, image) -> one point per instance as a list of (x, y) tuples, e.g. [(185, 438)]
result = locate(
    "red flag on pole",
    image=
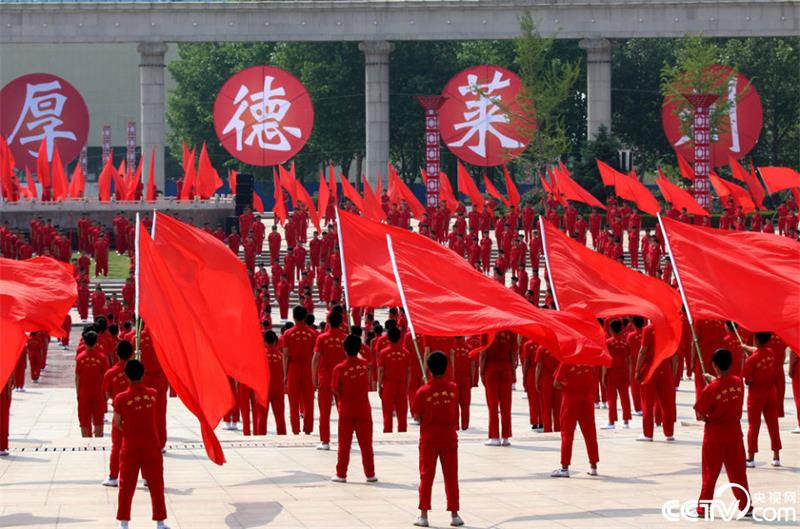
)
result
[(755, 189), (747, 277), (305, 198), (232, 174), (607, 173), (351, 194), (466, 186), (740, 195), (323, 195), (280, 207), (133, 185), (779, 178), (491, 190), (511, 188), (629, 188), (59, 177), (572, 190), (289, 184), (372, 205), (687, 171), (678, 197), (446, 193), (43, 169), (417, 209), (334, 190), (208, 180), (104, 180), (189, 176), (258, 204), (30, 183), (151, 183), (77, 185)]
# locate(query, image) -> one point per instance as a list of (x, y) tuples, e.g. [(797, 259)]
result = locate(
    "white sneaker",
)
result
[(22, 390), (796, 430), (505, 442), (123, 525), (421, 522), (644, 438), (750, 463), (776, 462), (670, 438), (110, 482), (413, 421), (638, 413), (337, 479), (234, 426), (609, 426), (3, 453), (372, 479), (560, 473), (323, 446), (162, 525), (627, 425), (597, 405), (539, 430), (604, 405), (513, 387), (456, 521), (492, 442), (164, 450), (592, 472)]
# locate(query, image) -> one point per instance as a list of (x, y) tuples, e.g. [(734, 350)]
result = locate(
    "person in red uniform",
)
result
[(394, 371), (615, 378), (760, 377), (435, 408), (274, 243), (528, 360), (98, 302), (82, 303), (258, 234), (576, 383), (5, 414), (660, 387), (710, 336), (90, 366), (720, 407), (276, 382), (115, 382), (328, 353), (36, 348), (101, 256), (794, 374), (245, 223), (463, 372), (298, 346), (154, 378), (349, 382), (135, 411), (234, 241), (497, 364), (282, 295), (549, 395)]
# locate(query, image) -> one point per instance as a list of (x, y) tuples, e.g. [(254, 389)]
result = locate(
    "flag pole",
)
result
[(136, 287), (344, 268), (683, 294), (547, 263), (405, 305)]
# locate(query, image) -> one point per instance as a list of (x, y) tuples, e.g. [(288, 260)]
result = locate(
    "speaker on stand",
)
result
[(244, 193)]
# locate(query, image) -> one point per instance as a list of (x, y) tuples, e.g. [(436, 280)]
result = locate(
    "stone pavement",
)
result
[(52, 478)]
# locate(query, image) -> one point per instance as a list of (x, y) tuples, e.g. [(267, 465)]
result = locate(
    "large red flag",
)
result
[(571, 190), (104, 180), (289, 183), (446, 192), (35, 295), (687, 171), (134, 183), (43, 167), (755, 189), (511, 188), (466, 186), (447, 297), (679, 198), (491, 190), (583, 278), (208, 180), (750, 278), (151, 183), (334, 190), (189, 174), (778, 178), (607, 173), (258, 204), (629, 188), (280, 206), (77, 185), (417, 209), (305, 198), (31, 183), (120, 187), (323, 195), (740, 195), (372, 205), (59, 177), (351, 194)]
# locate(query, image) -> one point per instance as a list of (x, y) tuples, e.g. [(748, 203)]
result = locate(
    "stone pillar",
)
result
[(598, 84), (153, 102), (376, 93)]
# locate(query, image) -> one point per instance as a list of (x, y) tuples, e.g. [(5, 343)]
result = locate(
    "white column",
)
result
[(598, 84), (153, 102), (376, 92)]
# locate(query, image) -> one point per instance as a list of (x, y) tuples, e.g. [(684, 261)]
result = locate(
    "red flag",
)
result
[(189, 174), (350, 193), (687, 171), (546, 185), (208, 180), (607, 173), (58, 177), (6, 170), (29, 181), (448, 285), (491, 190), (120, 187), (778, 178), (280, 207), (289, 183), (446, 192), (755, 189), (629, 188), (151, 182), (404, 193), (740, 195), (589, 280), (77, 185), (334, 190), (232, 174), (258, 204), (796, 195), (35, 295), (43, 167), (104, 180), (466, 186), (679, 198), (571, 190), (372, 205), (379, 187), (323, 195), (305, 198), (747, 277), (511, 188), (133, 185)]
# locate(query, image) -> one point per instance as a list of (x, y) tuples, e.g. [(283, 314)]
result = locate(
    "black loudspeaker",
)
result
[(244, 193)]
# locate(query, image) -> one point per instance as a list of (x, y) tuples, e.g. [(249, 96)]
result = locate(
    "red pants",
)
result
[(414, 384), (498, 393), (283, 307), (361, 424), (159, 383), (534, 407), (19, 372), (101, 266), (577, 410), (728, 451), (91, 409), (634, 257), (780, 389), (764, 402), (83, 308), (301, 394), (636, 393), (445, 450), (660, 388), (394, 400), (599, 389), (464, 400), (116, 446), (324, 401), (247, 405), (796, 393), (617, 384), (36, 360), (151, 463), (5, 412), (276, 396), (550, 399)]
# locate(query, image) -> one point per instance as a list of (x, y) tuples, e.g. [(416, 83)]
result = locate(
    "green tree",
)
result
[(604, 147)]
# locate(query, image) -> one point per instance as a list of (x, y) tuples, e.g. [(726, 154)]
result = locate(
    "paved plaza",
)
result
[(52, 478)]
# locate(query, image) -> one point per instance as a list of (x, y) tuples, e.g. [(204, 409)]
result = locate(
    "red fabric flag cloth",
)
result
[(511, 188), (372, 205), (571, 190), (151, 183), (778, 178), (59, 177), (5, 174), (796, 195), (305, 198), (77, 185), (740, 195), (607, 173), (289, 183), (679, 198), (629, 188), (323, 195), (30, 183), (351, 194), (546, 185), (753, 186), (120, 186), (189, 174), (447, 297), (491, 190), (392, 190), (232, 174), (208, 180), (133, 185), (446, 192), (258, 204), (589, 280), (280, 207), (687, 171), (332, 178), (104, 180), (750, 278), (417, 209), (35, 295), (43, 167), (466, 186)]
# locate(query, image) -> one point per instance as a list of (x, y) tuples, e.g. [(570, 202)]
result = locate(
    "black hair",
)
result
[(100, 324), (299, 313), (356, 330), (723, 359), (437, 363), (310, 319), (763, 337), (270, 337), (616, 326), (389, 324), (90, 338), (394, 334), (124, 350), (113, 329), (352, 345), (638, 322), (134, 370), (335, 319), (286, 326)]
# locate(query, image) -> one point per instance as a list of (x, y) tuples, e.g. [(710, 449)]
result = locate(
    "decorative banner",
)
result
[(741, 127), (480, 122), (84, 160), (106, 143), (263, 116), (130, 153), (431, 104), (42, 106)]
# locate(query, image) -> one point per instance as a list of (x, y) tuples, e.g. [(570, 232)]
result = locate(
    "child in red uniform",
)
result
[(659, 390), (720, 407), (135, 415), (549, 396), (276, 386), (435, 407), (528, 360), (90, 366), (350, 385), (393, 376), (497, 364), (298, 345), (576, 383), (463, 369), (328, 353), (115, 382), (760, 377), (615, 378)]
